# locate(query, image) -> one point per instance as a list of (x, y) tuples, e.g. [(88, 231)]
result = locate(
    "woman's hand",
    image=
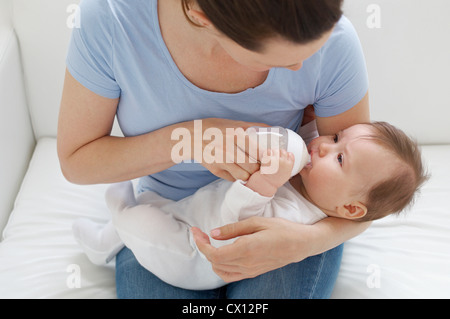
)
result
[(265, 244), (222, 147)]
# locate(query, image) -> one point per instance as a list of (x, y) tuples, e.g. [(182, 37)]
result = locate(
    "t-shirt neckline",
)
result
[(188, 83)]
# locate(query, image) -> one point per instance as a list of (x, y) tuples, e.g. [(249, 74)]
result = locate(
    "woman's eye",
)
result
[(340, 158), (336, 138)]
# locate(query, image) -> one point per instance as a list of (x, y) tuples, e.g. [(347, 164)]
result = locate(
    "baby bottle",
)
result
[(276, 137)]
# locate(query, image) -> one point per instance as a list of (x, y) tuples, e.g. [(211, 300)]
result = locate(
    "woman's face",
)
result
[(277, 53)]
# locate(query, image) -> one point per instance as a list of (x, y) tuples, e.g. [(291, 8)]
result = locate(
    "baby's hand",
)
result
[(276, 166), (275, 171)]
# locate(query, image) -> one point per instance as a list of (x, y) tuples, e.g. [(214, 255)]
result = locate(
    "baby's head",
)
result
[(365, 172)]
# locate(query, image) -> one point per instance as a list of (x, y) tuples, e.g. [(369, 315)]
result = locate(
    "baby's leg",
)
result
[(119, 196), (143, 222), (101, 243), (160, 243)]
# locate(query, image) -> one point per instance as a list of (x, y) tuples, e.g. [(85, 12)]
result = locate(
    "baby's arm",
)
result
[(275, 171)]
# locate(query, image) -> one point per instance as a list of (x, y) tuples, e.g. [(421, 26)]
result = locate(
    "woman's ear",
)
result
[(199, 18), (352, 211)]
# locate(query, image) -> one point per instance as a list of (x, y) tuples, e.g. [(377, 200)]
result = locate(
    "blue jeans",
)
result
[(313, 278)]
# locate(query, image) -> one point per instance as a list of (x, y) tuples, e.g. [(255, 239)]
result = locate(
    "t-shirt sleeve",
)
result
[(343, 79), (89, 58)]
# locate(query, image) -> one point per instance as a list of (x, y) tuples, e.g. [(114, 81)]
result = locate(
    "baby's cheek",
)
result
[(319, 181)]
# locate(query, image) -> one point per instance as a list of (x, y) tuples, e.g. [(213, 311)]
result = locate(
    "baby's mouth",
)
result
[(309, 163)]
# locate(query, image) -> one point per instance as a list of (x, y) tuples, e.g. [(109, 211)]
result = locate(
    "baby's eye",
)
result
[(336, 138), (340, 158)]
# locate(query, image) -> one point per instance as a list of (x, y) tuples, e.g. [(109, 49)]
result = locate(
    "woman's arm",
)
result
[(89, 155), (265, 244), (87, 152), (360, 113)]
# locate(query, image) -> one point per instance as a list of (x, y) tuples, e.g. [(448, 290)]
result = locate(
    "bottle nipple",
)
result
[(297, 146), (280, 138)]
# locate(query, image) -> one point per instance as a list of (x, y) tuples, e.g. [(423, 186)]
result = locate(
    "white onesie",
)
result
[(157, 230)]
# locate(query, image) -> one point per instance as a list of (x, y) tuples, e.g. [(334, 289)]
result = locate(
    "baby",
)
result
[(362, 173)]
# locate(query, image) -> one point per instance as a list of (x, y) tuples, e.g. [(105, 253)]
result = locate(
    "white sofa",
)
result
[(407, 50)]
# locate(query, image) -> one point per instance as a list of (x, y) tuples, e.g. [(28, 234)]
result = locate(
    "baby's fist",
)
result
[(277, 165)]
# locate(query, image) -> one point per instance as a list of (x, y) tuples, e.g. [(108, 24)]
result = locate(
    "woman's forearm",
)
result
[(112, 159), (327, 234)]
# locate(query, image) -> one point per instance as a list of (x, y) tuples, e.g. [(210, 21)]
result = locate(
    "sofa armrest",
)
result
[(16, 134)]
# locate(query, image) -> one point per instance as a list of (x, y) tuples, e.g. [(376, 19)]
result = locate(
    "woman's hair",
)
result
[(397, 192), (249, 22)]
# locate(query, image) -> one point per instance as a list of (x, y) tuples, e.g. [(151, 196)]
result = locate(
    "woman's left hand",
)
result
[(264, 244)]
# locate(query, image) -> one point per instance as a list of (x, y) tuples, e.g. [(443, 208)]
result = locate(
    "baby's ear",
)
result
[(352, 211)]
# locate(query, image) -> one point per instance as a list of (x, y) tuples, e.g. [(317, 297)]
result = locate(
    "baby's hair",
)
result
[(396, 193)]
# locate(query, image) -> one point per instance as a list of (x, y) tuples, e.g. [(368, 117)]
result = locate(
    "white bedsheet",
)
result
[(410, 254), (406, 257)]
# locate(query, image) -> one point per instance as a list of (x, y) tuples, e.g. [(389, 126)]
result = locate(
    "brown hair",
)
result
[(248, 22), (397, 192)]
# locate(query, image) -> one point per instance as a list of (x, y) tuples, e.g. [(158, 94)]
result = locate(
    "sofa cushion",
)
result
[(38, 256), (16, 135), (398, 257)]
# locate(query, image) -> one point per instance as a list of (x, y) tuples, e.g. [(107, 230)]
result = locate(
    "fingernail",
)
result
[(215, 232)]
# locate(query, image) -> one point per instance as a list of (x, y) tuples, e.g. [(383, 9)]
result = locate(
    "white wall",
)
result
[(407, 47), (5, 12)]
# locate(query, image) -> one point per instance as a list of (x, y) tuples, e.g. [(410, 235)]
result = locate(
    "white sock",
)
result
[(100, 242)]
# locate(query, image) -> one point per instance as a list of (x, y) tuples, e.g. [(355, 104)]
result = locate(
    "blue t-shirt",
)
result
[(118, 51)]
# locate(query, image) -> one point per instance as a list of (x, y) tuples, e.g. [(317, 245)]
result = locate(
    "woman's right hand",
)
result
[(222, 147)]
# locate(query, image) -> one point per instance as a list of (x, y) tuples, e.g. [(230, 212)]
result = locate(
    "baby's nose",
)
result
[(324, 149)]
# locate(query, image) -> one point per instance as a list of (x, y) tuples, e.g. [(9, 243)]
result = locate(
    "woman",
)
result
[(160, 65)]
